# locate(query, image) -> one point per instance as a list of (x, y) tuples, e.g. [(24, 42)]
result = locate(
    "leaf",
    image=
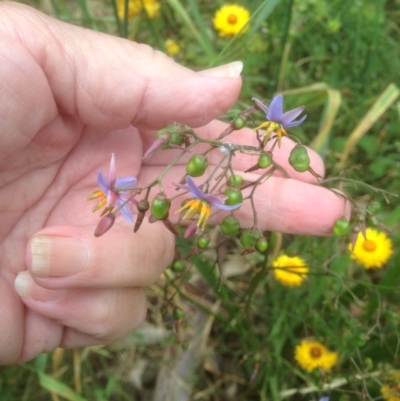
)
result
[(54, 386)]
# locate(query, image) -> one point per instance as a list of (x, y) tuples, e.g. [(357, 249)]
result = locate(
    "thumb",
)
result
[(111, 82)]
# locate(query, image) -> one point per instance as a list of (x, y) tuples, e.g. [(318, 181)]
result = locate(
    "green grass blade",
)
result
[(54, 386), (384, 101), (333, 103)]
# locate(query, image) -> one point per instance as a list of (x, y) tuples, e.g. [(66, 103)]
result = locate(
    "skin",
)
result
[(68, 98)]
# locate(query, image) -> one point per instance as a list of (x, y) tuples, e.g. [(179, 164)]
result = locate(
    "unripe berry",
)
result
[(265, 160), (249, 237), (341, 227), (160, 206), (234, 196), (203, 241), (230, 226), (299, 158), (239, 122), (262, 244), (235, 181), (196, 166)]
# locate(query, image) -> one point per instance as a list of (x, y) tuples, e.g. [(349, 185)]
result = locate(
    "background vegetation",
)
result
[(236, 340)]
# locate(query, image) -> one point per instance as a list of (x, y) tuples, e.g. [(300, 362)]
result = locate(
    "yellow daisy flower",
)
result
[(135, 7), (391, 389), (312, 354), (230, 19), (374, 251), (172, 48), (290, 271)]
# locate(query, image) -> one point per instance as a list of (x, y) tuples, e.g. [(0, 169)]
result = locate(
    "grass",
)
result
[(341, 59)]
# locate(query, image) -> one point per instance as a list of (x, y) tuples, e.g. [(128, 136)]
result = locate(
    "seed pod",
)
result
[(249, 237), (234, 196), (299, 159), (239, 122), (265, 160), (160, 206), (341, 227), (230, 226), (196, 166), (235, 181)]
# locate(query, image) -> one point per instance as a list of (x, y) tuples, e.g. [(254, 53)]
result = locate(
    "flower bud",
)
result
[(105, 223), (143, 206), (196, 166), (160, 206), (178, 266), (177, 314), (230, 226), (299, 159)]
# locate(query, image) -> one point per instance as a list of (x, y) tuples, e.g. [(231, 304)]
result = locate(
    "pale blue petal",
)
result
[(222, 206), (102, 182), (260, 105), (324, 399), (294, 123), (126, 212), (290, 115), (194, 189), (275, 111), (125, 183)]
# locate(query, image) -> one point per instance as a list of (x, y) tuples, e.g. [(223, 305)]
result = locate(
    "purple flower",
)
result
[(112, 191), (277, 119), (201, 203)]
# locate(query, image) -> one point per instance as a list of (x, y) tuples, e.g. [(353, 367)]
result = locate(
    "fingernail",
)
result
[(58, 256), (23, 284), (231, 70)]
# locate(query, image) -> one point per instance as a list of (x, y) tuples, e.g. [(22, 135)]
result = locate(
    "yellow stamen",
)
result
[(369, 246), (96, 194), (102, 203), (204, 215)]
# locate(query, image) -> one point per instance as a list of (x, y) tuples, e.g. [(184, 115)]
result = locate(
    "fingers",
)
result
[(100, 314), (111, 82), (71, 257)]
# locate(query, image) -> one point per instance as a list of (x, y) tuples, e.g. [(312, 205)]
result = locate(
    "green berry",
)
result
[(234, 196), (230, 226), (262, 244), (178, 266), (249, 237), (203, 241), (177, 139), (177, 314), (341, 227), (235, 181), (160, 206), (299, 159), (196, 166), (265, 160), (239, 122)]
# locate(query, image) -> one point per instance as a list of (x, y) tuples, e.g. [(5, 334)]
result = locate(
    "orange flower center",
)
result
[(315, 352), (232, 19), (369, 246)]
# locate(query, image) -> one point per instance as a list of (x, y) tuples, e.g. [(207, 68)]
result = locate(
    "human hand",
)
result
[(69, 98)]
